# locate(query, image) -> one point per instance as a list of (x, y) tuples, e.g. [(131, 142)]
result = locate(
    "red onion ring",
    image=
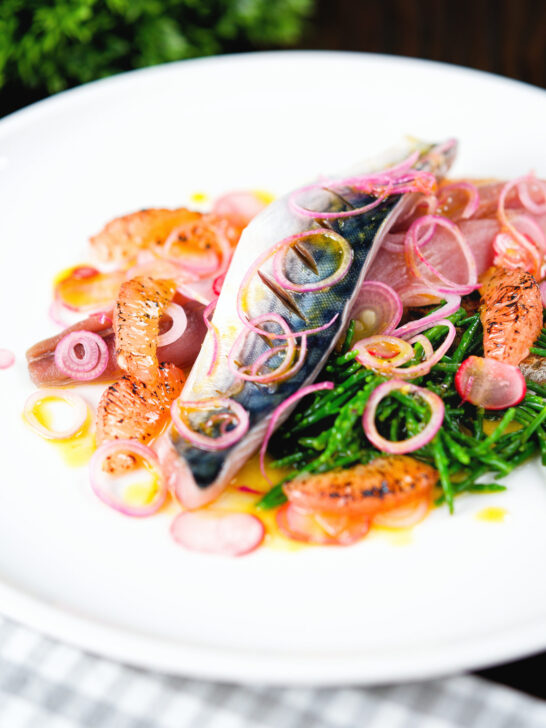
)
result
[(508, 227), (383, 302), (523, 185), (104, 486), (204, 441), (412, 249), (78, 403), (305, 212), (285, 243), (347, 256), (424, 367), (94, 360), (240, 341), (382, 364), (412, 443), (280, 411), (452, 304), (7, 358), (178, 326)]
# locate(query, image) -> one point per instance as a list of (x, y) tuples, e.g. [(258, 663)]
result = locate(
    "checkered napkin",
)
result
[(46, 684)]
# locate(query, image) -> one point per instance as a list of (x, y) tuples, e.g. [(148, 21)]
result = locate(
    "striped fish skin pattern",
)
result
[(209, 472)]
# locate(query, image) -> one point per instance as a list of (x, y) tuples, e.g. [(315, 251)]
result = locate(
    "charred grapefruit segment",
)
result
[(133, 410), (511, 314), (140, 305)]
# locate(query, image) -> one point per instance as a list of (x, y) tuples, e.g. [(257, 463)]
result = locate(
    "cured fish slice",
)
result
[(132, 410), (44, 371), (140, 305), (511, 314), (203, 474)]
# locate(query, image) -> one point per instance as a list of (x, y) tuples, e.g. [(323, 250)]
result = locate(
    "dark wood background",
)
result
[(502, 36)]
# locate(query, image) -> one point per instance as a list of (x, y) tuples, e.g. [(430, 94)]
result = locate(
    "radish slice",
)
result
[(232, 534), (239, 207), (326, 529), (490, 383), (403, 517), (121, 493), (7, 358)]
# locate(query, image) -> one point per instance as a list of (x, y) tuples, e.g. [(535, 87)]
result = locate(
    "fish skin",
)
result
[(207, 473)]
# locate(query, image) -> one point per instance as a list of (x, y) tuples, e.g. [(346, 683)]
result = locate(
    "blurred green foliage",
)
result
[(48, 45)]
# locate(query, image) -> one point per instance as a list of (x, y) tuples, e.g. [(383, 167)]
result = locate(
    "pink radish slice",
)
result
[(7, 358), (490, 383), (232, 534), (326, 529), (403, 517), (239, 207)]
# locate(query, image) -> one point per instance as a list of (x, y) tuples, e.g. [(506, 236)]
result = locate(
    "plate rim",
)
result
[(221, 663)]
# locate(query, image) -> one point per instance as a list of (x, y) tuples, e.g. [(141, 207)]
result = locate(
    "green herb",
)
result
[(51, 44), (325, 433)]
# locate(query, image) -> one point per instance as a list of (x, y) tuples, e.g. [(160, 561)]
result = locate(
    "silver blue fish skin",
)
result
[(208, 472)]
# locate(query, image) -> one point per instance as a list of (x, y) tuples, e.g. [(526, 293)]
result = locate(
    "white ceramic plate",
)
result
[(462, 593)]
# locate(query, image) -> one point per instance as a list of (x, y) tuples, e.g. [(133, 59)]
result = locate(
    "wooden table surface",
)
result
[(502, 36)]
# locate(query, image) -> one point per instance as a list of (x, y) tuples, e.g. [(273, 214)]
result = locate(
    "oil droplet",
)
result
[(264, 196), (199, 197), (76, 451), (395, 536), (492, 515)]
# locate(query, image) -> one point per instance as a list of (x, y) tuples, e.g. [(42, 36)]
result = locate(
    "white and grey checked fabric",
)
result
[(46, 684)]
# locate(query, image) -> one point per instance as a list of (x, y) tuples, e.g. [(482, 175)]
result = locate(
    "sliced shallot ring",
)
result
[(78, 403), (317, 214), (385, 304), (97, 477), (412, 248), (286, 242), (424, 367), (371, 361), (204, 441), (178, 326), (510, 228), (94, 360), (523, 184), (412, 443), (452, 304), (226, 534), (347, 255), (281, 410), (283, 367)]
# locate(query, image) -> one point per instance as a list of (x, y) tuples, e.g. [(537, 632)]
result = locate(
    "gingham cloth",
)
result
[(46, 684)]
